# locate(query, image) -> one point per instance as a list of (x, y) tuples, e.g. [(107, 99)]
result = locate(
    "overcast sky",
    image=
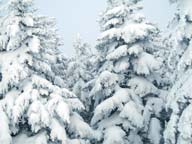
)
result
[(79, 16)]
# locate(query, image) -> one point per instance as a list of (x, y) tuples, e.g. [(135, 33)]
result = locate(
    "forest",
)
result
[(134, 86)]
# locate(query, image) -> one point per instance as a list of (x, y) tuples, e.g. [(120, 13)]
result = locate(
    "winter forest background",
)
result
[(131, 86), (71, 17)]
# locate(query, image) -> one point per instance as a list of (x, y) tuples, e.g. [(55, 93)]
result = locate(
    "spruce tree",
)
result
[(178, 130), (60, 70), (81, 69), (126, 97), (33, 109)]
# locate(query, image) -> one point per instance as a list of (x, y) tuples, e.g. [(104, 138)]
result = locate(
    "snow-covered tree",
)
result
[(178, 129), (126, 98), (164, 78), (60, 69), (33, 109), (179, 38), (81, 70)]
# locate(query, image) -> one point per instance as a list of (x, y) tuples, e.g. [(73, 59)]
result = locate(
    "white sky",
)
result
[(79, 16)]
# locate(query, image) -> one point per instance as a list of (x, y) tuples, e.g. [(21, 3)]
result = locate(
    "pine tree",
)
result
[(178, 130), (32, 108), (126, 98)]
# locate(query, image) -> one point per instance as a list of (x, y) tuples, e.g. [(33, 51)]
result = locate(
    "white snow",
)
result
[(106, 107), (118, 53), (115, 94), (142, 87), (14, 27), (5, 134), (122, 65), (184, 126), (146, 63), (34, 44), (28, 20), (154, 131), (114, 135), (24, 139), (135, 50), (58, 131), (133, 114), (80, 128)]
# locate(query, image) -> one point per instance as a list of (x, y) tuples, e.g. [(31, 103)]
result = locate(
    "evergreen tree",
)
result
[(81, 71), (126, 97), (178, 39), (162, 54), (32, 108), (60, 69), (178, 130)]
